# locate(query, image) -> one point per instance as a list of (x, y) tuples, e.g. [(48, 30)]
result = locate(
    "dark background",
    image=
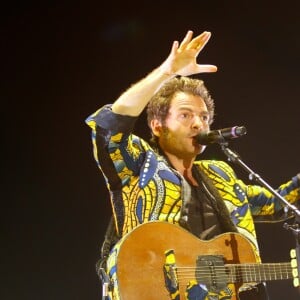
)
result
[(61, 60)]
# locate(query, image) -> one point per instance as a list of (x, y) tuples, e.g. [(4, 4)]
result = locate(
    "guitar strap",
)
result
[(110, 239)]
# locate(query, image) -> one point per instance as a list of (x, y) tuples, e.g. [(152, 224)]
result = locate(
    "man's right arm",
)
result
[(181, 61)]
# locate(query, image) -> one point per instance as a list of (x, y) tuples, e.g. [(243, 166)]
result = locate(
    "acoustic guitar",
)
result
[(227, 261)]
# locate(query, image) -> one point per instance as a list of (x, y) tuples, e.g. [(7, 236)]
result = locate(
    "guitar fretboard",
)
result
[(258, 272)]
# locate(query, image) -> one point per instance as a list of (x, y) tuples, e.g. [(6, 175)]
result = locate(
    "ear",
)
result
[(156, 127)]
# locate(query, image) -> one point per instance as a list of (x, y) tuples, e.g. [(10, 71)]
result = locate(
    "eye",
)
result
[(205, 118), (185, 115)]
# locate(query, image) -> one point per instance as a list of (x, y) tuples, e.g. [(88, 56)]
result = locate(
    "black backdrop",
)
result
[(61, 60)]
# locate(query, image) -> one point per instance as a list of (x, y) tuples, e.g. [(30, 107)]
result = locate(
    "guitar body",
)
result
[(141, 258)]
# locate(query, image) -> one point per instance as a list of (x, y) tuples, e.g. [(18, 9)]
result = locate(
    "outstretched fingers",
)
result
[(182, 57), (174, 48), (200, 41), (186, 41)]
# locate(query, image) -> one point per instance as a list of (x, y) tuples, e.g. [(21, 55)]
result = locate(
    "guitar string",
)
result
[(253, 266), (249, 269), (237, 273), (241, 275), (231, 279)]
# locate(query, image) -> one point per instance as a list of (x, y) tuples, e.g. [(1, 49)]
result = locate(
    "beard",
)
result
[(169, 142)]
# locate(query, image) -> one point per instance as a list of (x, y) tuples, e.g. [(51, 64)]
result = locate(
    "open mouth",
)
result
[(194, 140)]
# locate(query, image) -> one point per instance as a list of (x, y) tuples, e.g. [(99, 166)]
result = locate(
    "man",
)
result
[(164, 182)]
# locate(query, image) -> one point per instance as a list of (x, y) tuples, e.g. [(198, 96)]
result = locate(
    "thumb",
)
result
[(207, 68)]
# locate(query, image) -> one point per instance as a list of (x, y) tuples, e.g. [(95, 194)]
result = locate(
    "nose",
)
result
[(197, 122)]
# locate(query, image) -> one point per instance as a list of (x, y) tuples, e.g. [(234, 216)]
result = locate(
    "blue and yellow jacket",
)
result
[(144, 187)]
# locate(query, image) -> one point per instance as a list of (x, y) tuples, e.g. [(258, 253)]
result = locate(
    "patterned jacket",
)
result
[(144, 187)]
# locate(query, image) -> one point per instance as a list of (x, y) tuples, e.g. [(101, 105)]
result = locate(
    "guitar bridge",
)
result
[(210, 271)]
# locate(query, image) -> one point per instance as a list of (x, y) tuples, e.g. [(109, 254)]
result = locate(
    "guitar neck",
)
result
[(255, 272)]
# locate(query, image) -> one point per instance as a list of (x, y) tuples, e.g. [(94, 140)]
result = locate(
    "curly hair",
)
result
[(159, 105)]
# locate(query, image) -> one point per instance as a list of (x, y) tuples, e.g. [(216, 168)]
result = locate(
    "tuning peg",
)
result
[(293, 253)]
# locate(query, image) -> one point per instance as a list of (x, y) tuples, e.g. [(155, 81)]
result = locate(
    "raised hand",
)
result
[(182, 59)]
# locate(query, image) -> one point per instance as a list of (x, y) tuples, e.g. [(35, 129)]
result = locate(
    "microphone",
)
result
[(221, 135)]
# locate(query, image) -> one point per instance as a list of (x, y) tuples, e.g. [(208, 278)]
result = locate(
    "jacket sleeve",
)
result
[(264, 203), (118, 153)]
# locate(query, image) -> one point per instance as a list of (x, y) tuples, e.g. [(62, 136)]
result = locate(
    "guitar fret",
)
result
[(258, 272)]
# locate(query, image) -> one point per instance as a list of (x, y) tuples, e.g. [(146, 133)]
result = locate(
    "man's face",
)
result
[(188, 116)]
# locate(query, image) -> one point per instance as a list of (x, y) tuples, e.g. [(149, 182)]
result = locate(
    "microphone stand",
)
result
[(295, 228)]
